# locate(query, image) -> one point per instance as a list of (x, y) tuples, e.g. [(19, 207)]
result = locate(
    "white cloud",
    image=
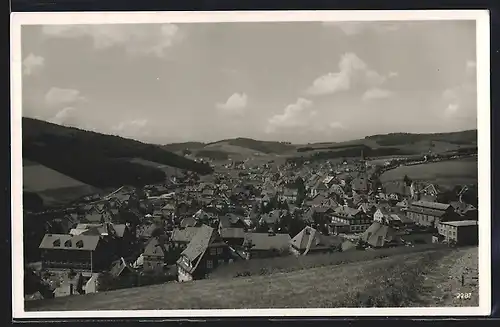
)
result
[(377, 93), (64, 117), (452, 108), (336, 125), (236, 103), (295, 115), (470, 67), (57, 96), (134, 129), (329, 83), (32, 64), (461, 100), (148, 39), (130, 125), (352, 70)]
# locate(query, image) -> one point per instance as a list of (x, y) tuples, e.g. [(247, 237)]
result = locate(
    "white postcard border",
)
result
[(484, 175)]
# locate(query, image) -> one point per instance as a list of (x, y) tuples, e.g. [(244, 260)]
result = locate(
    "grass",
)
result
[(37, 178), (390, 281), (53, 187), (291, 263), (444, 172)]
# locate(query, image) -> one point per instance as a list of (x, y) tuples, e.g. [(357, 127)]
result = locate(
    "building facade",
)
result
[(464, 232)]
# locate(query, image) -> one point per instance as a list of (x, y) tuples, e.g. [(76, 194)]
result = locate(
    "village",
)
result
[(192, 225)]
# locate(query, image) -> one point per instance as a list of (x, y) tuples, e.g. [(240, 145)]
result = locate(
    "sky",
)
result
[(299, 82)]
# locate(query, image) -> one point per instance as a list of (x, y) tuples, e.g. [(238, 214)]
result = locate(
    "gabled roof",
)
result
[(366, 207), (273, 216), (378, 234), (431, 188), (320, 186), (119, 266), (431, 205), (397, 188), (318, 199), (323, 209), (230, 219), (310, 239), (168, 206), (184, 235), (70, 242), (154, 248), (146, 231), (360, 183), (201, 215), (188, 222), (229, 232), (264, 241), (346, 212), (199, 244)]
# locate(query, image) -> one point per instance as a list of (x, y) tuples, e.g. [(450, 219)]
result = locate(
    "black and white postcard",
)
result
[(294, 163)]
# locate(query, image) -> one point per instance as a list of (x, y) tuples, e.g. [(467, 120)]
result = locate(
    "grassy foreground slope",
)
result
[(388, 282)]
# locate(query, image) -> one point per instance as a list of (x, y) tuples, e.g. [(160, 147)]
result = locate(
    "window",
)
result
[(67, 244), (220, 262), (213, 251), (219, 251), (210, 264), (56, 243), (79, 244)]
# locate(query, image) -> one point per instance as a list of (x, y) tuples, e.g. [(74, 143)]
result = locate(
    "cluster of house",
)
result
[(197, 225)]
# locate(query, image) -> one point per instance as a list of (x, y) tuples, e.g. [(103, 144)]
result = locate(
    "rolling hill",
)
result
[(97, 159), (52, 187), (375, 145)]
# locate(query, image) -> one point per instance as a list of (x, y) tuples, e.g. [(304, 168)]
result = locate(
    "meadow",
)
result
[(451, 172), (393, 281)]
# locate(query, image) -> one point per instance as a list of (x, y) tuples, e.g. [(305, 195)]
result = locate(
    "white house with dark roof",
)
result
[(309, 240), (355, 220), (78, 252)]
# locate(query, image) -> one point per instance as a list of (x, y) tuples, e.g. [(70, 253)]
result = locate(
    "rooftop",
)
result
[(461, 223), (431, 205)]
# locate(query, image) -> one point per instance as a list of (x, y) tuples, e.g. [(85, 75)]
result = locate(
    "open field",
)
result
[(445, 172), (393, 281), (52, 186)]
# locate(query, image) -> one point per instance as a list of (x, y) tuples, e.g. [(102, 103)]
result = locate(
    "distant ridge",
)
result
[(95, 158), (402, 143)]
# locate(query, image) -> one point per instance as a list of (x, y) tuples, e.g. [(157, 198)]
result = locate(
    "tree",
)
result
[(301, 191), (407, 180), (158, 231)]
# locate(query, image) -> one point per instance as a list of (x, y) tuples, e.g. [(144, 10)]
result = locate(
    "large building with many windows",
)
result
[(430, 214), (350, 220)]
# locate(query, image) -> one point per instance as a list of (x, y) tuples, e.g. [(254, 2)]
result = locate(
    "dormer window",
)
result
[(67, 243), (79, 244), (56, 243)]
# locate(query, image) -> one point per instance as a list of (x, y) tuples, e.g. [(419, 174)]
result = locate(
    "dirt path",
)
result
[(443, 284)]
